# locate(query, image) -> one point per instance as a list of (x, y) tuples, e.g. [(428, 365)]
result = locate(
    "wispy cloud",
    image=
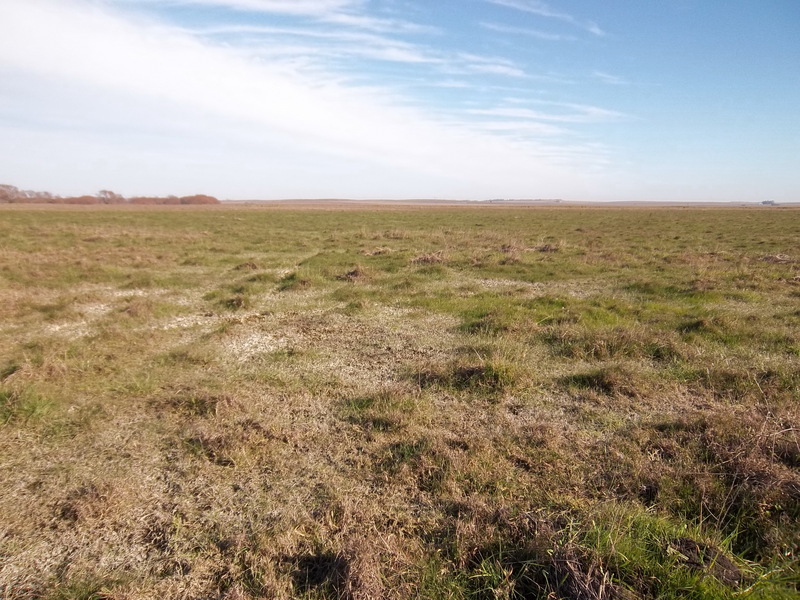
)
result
[(349, 13), (520, 129), (534, 33), (544, 10), (490, 65), (261, 103), (497, 70), (609, 78), (350, 30), (330, 42), (294, 7), (573, 113), (378, 23)]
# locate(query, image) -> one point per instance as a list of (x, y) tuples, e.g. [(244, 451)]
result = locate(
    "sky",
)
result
[(585, 100)]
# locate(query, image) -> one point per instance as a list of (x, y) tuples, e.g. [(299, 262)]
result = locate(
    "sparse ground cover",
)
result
[(442, 403)]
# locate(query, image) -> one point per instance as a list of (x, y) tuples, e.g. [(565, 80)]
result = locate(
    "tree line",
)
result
[(10, 194)]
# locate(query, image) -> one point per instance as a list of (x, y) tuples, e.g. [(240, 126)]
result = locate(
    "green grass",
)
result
[(575, 403)]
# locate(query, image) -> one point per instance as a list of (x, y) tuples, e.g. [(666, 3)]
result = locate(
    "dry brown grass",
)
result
[(240, 404)]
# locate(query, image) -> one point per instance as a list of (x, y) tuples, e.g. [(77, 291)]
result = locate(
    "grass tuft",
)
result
[(485, 377), (610, 380)]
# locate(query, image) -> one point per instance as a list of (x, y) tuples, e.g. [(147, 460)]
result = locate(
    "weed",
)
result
[(294, 281), (9, 370), (86, 588), (434, 258), (23, 407), (430, 465), (359, 273)]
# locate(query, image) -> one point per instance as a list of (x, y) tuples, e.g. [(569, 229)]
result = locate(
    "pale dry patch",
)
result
[(77, 508), (573, 288), (86, 306), (189, 322), (70, 331), (74, 330), (354, 351), (132, 293), (244, 347)]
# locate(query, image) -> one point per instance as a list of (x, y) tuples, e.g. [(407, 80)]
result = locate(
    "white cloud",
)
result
[(534, 33), (520, 128), (609, 78), (542, 9), (578, 113), (349, 13), (295, 7), (104, 90), (496, 69), (475, 63), (326, 42)]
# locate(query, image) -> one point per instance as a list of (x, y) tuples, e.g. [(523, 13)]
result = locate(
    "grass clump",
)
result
[(358, 273), (295, 281), (23, 407), (610, 380), (616, 343), (432, 258), (388, 409), (91, 587), (421, 460), (490, 377), (589, 553)]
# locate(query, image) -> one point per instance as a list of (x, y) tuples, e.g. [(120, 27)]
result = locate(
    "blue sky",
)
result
[(685, 100)]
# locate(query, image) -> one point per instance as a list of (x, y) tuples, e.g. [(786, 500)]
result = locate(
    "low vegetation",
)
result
[(10, 194), (444, 403)]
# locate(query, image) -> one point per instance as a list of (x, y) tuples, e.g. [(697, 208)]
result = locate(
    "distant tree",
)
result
[(43, 197), (109, 197), (8, 193)]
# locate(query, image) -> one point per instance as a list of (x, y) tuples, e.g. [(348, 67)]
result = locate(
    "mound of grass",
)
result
[(616, 343), (385, 410), (609, 380), (296, 281), (24, 407), (482, 377)]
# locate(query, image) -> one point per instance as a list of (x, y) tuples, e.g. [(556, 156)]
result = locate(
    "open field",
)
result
[(448, 402)]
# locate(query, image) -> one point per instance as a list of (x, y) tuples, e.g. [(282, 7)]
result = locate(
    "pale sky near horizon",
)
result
[(682, 100)]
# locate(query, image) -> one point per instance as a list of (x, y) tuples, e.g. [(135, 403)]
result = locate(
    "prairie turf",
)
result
[(576, 403)]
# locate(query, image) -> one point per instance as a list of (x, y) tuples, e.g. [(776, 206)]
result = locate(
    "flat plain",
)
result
[(399, 402)]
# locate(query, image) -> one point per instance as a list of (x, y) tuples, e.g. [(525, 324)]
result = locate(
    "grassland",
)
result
[(441, 403)]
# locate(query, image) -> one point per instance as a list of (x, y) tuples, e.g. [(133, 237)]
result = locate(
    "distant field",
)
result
[(439, 402)]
